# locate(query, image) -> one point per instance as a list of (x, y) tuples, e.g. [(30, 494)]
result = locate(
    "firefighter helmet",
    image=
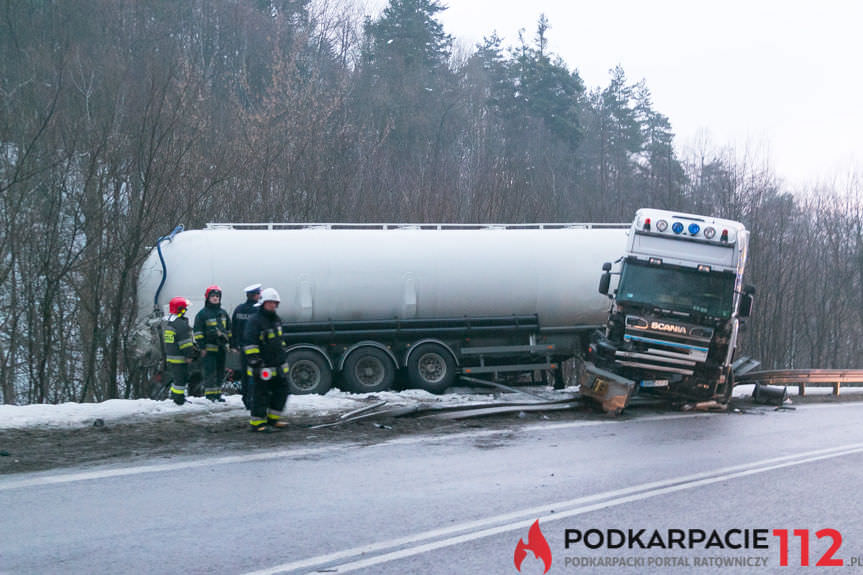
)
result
[(270, 294), (178, 305), (213, 288)]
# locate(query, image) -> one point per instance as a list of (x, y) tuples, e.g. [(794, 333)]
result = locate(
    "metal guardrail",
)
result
[(801, 378)]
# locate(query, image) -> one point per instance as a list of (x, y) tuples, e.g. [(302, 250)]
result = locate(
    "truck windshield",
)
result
[(678, 289)]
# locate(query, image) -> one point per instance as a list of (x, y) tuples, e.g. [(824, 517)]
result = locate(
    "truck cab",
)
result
[(676, 310)]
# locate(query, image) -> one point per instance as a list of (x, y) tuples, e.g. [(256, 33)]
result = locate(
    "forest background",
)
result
[(120, 119)]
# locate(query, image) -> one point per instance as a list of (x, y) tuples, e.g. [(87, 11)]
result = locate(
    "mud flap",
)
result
[(610, 390)]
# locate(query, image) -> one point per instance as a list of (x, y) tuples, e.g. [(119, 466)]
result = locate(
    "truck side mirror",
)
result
[(604, 282)]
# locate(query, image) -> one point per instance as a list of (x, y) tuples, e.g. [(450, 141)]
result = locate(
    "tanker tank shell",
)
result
[(360, 274)]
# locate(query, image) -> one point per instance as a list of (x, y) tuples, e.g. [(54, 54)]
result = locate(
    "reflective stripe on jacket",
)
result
[(179, 344), (263, 338), (212, 328)]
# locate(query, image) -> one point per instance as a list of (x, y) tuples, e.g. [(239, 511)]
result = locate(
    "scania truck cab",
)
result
[(675, 312)]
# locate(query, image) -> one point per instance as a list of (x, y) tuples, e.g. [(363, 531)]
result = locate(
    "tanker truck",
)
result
[(373, 307), (377, 306), (675, 314)]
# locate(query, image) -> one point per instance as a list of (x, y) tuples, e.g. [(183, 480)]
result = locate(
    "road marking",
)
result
[(808, 406), (141, 469), (42, 480), (456, 534), (295, 453)]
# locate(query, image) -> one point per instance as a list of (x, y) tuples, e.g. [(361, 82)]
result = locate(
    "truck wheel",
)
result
[(369, 369), (431, 367), (309, 373)]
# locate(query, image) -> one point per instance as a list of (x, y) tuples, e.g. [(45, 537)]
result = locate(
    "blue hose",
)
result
[(170, 237)]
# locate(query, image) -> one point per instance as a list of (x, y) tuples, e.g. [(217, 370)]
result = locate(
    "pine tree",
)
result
[(406, 100)]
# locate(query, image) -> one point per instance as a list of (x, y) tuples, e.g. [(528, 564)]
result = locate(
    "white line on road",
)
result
[(462, 533), (305, 452), (124, 471), (294, 453)]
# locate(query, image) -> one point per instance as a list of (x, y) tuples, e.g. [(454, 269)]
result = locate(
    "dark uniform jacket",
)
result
[(179, 343), (242, 314), (212, 328), (263, 338)]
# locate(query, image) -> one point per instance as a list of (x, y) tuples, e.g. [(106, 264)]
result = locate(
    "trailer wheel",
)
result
[(431, 367), (309, 373), (368, 370)]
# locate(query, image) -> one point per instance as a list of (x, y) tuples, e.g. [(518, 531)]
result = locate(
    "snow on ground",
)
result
[(746, 390), (69, 415)]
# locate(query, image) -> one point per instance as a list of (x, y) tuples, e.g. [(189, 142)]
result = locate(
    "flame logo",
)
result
[(535, 542)]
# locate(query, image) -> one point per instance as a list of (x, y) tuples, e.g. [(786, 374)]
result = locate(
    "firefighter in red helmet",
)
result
[(213, 335), (180, 348)]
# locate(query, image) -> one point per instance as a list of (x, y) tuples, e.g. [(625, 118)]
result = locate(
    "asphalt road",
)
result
[(462, 502)]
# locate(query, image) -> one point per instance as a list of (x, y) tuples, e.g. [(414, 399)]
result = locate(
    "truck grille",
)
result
[(662, 346)]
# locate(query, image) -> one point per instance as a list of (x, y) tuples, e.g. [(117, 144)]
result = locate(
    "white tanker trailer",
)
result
[(432, 302), (370, 302)]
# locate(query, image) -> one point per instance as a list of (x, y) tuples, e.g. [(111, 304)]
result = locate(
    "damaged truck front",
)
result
[(675, 314)]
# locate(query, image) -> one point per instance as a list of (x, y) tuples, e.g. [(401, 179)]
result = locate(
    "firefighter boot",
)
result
[(276, 423), (179, 398)]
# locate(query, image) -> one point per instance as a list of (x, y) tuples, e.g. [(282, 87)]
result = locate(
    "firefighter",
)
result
[(213, 335), (241, 315), (266, 357), (180, 348)]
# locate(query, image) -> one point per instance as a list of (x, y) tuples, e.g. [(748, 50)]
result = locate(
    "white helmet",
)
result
[(269, 294)]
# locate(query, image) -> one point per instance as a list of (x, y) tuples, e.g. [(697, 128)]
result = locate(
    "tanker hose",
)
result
[(170, 237)]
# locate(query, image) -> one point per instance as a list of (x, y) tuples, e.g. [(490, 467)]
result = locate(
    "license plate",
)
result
[(654, 383)]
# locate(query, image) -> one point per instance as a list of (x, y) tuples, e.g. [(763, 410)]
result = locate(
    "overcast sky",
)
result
[(782, 79)]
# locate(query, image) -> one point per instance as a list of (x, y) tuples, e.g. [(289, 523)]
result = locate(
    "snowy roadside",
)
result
[(76, 415), (72, 415), (812, 393)]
